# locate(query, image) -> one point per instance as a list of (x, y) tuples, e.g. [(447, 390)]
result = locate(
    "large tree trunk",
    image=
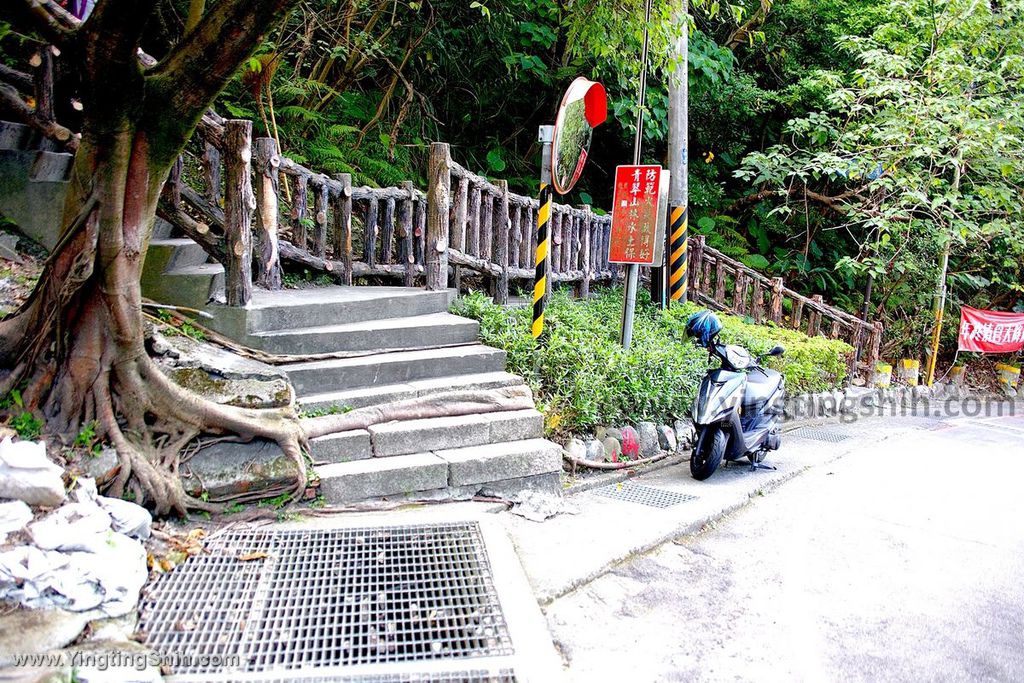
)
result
[(77, 347)]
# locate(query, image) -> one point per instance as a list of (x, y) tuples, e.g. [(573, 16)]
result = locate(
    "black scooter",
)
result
[(737, 411)]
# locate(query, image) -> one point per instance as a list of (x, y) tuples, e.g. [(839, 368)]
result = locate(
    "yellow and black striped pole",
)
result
[(677, 254), (540, 278)]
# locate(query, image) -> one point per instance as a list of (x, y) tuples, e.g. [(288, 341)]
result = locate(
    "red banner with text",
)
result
[(991, 331)]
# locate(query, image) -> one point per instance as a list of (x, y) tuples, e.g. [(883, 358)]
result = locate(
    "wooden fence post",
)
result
[(696, 265), (42, 76), (834, 332), (458, 228), (435, 257), (320, 187), (516, 239), (370, 232), (874, 349), (757, 307), (211, 173), (739, 296), (266, 163), (387, 235), (407, 229), (798, 312), (814, 317), (239, 204), (719, 295), (473, 229), (775, 308), (585, 246), (487, 226), (300, 207), (342, 214), (503, 226)]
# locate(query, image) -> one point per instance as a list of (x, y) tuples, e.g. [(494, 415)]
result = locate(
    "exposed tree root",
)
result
[(439, 405)]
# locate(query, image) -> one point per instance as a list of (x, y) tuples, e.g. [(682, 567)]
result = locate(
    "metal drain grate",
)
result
[(269, 600), (819, 434), (644, 495), (468, 676)]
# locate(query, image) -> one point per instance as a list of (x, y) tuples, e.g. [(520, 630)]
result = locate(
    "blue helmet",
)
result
[(703, 326)]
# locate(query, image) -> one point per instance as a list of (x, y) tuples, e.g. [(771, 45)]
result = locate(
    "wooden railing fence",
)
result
[(723, 283), (463, 224)]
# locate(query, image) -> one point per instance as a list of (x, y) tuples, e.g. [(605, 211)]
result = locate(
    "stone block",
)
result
[(495, 462), (419, 436), (515, 425), (228, 468), (377, 477), (341, 447)]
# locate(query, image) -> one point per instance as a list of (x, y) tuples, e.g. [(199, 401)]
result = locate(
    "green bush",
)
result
[(584, 378)]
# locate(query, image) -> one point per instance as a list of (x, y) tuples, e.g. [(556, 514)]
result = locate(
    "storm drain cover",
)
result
[(820, 434), (272, 600), (644, 495), (469, 676)]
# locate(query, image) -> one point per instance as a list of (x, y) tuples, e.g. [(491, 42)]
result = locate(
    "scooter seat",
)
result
[(761, 385)]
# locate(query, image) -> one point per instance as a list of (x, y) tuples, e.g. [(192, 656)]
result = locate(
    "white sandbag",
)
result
[(75, 526), (26, 474), (127, 517), (109, 578), (14, 515)]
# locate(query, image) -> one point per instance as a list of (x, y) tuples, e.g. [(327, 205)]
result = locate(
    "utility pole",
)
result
[(678, 157), (633, 270)]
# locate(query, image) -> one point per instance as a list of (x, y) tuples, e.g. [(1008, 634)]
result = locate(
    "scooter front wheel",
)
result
[(708, 453)]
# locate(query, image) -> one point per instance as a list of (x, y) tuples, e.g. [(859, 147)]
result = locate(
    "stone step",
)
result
[(459, 472), (167, 254), (193, 286), (32, 191), (290, 309), (375, 395), (162, 229), (440, 433), (379, 369), (17, 136), (415, 436), (421, 331)]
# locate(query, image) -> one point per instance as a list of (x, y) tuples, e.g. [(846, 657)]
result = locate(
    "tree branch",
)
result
[(199, 66), (12, 105), (833, 202), (45, 17), (18, 79)]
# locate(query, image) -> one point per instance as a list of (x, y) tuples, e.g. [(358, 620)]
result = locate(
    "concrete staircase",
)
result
[(402, 344), (33, 182)]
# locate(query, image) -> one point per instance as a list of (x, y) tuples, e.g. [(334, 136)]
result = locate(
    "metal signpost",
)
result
[(639, 209), (564, 154), (633, 270)]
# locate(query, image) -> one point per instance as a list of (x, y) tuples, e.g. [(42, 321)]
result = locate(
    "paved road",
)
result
[(903, 561)]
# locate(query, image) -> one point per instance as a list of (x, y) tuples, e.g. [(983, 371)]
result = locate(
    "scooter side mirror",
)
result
[(777, 350)]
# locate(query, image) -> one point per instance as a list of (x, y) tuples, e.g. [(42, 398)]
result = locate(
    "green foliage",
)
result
[(27, 425), (585, 378), (276, 503), (919, 146), (326, 410)]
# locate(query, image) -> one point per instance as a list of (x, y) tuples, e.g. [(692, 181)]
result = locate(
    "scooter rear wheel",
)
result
[(708, 453)]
